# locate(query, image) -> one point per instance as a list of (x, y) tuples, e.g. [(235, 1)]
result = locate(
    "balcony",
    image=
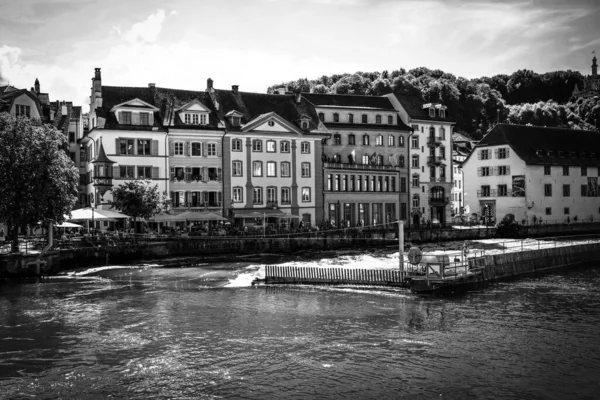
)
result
[(494, 193), (367, 167), (439, 179), (439, 200), (434, 140), (435, 160)]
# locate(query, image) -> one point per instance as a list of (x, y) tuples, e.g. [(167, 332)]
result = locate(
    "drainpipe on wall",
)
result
[(409, 182)]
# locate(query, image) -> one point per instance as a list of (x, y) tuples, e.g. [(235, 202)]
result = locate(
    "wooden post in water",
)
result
[(401, 247)]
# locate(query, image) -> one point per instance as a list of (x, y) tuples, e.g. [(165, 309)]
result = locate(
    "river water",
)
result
[(202, 332)]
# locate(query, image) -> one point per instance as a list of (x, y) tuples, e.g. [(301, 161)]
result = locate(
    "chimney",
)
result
[(297, 96), (152, 85), (234, 89), (209, 84), (97, 75), (63, 109), (37, 86)]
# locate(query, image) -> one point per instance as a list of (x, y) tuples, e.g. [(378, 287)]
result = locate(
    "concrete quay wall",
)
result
[(508, 265)]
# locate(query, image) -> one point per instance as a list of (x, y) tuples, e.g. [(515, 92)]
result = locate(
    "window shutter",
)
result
[(479, 171), (188, 198), (203, 149), (495, 153), (172, 173), (187, 149), (479, 154), (172, 196), (120, 117), (219, 174), (117, 146), (151, 119), (135, 118), (154, 147), (508, 170), (204, 174), (188, 174), (507, 152), (219, 150), (155, 172), (116, 172), (205, 196), (495, 171), (171, 148), (220, 198)]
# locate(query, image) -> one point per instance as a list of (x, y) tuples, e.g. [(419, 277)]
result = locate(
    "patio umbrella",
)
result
[(85, 214), (112, 214), (209, 216), (68, 225)]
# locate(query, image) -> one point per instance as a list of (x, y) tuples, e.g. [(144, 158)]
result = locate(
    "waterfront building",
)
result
[(127, 126), (272, 156), (365, 175), (461, 148), (591, 83), (534, 173), (21, 102), (429, 165)]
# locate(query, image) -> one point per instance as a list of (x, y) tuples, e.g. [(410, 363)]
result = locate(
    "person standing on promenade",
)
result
[(2, 236)]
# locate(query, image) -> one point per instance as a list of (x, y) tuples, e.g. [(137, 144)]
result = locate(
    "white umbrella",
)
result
[(83, 214), (68, 225)]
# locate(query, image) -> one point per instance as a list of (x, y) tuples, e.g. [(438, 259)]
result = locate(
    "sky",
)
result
[(259, 43)]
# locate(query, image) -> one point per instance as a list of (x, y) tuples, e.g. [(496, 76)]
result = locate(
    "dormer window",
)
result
[(235, 117), (235, 121), (539, 153), (561, 153), (304, 124), (550, 153), (442, 113), (432, 112)]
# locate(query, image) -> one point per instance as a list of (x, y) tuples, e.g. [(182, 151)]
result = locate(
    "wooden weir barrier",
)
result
[(276, 274)]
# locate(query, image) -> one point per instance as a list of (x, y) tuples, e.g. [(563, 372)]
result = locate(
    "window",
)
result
[(271, 195), (126, 171), (583, 171), (211, 149), (322, 117), (365, 159), (196, 174), (484, 154), (548, 189), (566, 190), (442, 113), (257, 168), (390, 119), (143, 147), (144, 172), (350, 118), (235, 121), (257, 145), (285, 169), (72, 137), (305, 194), (378, 119), (485, 191), (186, 118), (257, 196), (126, 146), (177, 149), (503, 153), (336, 117), (197, 149), (432, 112), (305, 147), (565, 171), (379, 159), (236, 145), (25, 111), (271, 168), (432, 172), (365, 140), (503, 170), (502, 190), (337, 139), (284, 146), (485, 171), (351, 139), (195, 119), (285, 195), (414, 142), (391, 140), (305, 170), (548, 210), (236, 168), (238, 194), (365, 118), (415, 201), (271, 148), (415, 161), (203, 119), (401, 141), (125, 117), (401, 161), (584, 191), (567, 211), (379, 140), (547, 169), (415, 181)]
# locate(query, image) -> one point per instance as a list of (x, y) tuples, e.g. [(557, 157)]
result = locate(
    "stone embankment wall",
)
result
[(510, 265)]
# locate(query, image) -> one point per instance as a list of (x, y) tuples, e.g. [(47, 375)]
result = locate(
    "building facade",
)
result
[(430, 162), (535, 173), (365, 176), (591, 83), (461, 148)]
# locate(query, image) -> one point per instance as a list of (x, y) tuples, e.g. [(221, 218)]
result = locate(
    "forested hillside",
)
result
[(476, 104)]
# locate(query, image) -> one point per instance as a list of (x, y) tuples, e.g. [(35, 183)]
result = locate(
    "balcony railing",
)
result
[(434, 140), (439, 200), (369, 167), (494, 193), (438, 179), (434, 160)]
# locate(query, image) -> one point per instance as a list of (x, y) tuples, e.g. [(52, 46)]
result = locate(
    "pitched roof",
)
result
[(350, 101), (165, 99), (7, 89), (413, 105), (541, 145), (114, 95), (7, 99), (459, 137)]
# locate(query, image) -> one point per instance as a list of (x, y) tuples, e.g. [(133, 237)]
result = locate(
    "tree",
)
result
[(137, 199), (38, 181)]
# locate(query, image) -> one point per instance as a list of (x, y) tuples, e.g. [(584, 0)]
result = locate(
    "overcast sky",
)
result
[(257, 43)]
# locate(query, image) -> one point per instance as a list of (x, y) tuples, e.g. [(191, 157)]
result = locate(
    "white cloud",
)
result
[(146, 31)]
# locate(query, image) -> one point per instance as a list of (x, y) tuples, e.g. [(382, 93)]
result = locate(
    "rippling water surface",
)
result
[(202, 332)]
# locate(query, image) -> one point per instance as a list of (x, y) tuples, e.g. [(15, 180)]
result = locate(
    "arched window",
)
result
[(351, 139), (415, 161), (442, 132), (432, 131), (437, 193), (337, 139), (401, 141), (336, 117), (365, 140), (401, 161), (415, 201)]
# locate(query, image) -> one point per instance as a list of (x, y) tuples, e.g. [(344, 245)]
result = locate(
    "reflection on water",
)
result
[(203, 332)]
